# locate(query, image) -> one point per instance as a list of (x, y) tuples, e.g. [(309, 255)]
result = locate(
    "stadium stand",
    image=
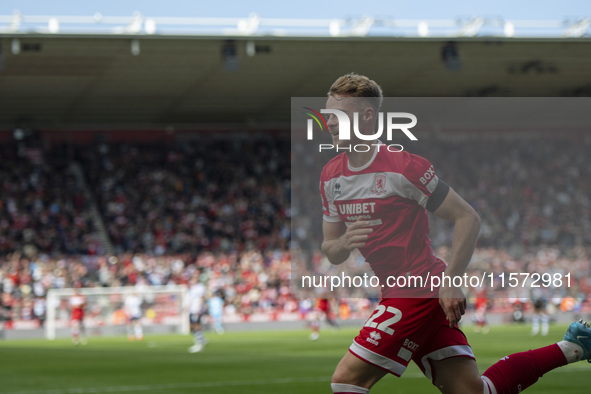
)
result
[(43, 209), (233, 196), (227, 214)]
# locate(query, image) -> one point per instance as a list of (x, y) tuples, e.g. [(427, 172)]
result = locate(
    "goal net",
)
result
[(164, 310)]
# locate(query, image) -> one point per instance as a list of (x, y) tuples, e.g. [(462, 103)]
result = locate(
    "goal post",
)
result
[(165, 310)]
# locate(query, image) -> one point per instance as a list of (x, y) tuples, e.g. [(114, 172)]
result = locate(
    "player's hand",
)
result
[(356, 235), (453, 302)]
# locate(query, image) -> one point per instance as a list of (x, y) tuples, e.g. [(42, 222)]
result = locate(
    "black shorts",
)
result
[(539, 304), (195, 318)]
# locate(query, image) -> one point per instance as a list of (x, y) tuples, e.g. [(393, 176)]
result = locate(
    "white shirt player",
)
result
[(196, 298), (133, 306), (76, 301)]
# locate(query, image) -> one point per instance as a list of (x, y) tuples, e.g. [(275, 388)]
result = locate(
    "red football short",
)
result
[(77, 314), (404, 329)]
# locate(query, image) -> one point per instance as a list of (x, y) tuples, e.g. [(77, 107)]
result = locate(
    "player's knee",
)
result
[(473, 386), (345, 375), (463, 386), (339, 376)]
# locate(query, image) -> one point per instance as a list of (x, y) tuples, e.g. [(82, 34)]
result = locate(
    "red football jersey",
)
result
[(323, 305), (77, 303), (391, 191)]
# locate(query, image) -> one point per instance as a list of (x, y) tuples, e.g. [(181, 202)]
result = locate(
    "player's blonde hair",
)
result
[(355, 85)]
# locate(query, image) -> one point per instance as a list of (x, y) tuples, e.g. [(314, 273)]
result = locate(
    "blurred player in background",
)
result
[(40, 310), (197, 293), (6, 303), (322, 309), (133, 311), (481, 305), (539, 301), (215, 310), (380, 207), (77, 303)]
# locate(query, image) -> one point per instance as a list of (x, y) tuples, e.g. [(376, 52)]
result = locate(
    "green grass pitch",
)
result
[(261, 362)]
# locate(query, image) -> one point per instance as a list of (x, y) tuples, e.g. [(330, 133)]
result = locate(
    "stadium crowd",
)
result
[(205, 195), (223, 206), (529, 191), (42, 205)]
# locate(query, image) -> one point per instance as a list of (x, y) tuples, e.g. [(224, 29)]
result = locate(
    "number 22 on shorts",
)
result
[(385, 325)]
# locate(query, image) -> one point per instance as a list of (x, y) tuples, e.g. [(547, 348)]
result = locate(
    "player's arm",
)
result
[(466, 227), (340, 240)]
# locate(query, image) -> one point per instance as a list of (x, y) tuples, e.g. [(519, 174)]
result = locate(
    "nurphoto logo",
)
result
[(345, 129)]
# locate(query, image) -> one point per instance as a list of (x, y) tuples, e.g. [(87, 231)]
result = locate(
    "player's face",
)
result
[(348, 105), (340, 103)]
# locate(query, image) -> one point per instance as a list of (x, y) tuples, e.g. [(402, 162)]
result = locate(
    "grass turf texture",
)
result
[(261, 362)]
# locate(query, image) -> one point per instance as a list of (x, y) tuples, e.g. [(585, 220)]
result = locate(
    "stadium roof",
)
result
[(254, 25), (73, 80)]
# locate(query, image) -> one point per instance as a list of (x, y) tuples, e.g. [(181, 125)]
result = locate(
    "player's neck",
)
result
[(360, 159)]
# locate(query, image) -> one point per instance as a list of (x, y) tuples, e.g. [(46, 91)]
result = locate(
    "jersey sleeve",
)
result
[(329, 209), (422, 183)]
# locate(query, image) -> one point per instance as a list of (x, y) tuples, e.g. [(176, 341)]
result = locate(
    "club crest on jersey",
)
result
[(379, 185)]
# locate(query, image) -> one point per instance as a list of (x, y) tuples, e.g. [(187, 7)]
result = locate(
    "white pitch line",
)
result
[(89, 390), (119, 389)]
